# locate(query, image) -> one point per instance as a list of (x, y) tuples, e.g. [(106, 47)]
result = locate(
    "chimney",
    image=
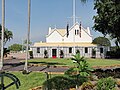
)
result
[(50, 30)]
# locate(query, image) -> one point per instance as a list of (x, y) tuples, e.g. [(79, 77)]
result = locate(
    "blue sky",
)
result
[(44, 13)]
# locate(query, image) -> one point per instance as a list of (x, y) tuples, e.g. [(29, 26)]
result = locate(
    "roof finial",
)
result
[(55, 26)]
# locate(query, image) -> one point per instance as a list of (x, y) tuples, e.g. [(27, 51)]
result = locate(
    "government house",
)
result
[(63, 43)]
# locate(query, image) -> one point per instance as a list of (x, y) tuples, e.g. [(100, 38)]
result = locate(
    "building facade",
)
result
[(63, 43)]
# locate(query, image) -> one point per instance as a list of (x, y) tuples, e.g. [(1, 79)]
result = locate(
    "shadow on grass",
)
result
[(14, 64), (47, 63)]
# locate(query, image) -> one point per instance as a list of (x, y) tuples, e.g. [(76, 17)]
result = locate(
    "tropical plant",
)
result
[(106, 84), (82, 67), (7, 35)]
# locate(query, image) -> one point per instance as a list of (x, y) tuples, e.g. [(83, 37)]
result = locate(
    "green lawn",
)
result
[(36, 78), (29, 81), (69, 62)]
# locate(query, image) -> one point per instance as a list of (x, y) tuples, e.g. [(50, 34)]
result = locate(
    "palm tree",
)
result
[(2, 35), (28, 37), (8, 35)]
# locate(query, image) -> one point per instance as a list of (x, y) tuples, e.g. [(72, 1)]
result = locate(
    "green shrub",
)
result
[(106, 84), (31, 54), (62, 83)]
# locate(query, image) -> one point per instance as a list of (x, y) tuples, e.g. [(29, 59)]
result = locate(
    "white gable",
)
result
[(54, 37), (75, 35)]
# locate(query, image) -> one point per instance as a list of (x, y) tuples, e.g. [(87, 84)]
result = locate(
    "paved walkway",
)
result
[(17, 65)]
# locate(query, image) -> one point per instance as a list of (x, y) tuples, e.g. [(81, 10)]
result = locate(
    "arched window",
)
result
[(77, 32)]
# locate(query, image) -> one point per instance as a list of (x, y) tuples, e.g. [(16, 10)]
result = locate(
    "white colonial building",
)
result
[(66, 42)]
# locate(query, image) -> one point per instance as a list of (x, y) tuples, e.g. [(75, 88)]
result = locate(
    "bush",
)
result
[(100, 73), (106, 84), (113, 54), (31, 54), (45, 54), (62, 83)]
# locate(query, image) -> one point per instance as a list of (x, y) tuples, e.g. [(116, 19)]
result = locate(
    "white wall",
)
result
[(54, 37)]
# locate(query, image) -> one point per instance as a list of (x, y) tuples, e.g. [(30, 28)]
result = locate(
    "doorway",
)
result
[(54, 53)]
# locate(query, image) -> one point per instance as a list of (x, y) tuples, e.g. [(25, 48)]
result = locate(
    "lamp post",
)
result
[(28, 37), (2, 36)]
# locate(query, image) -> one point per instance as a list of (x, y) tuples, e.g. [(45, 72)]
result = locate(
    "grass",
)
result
[(103, 62), (69, 62), (35, 79), (29, 81)]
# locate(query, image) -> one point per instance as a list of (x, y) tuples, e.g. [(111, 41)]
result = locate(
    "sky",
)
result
[(44, 14)]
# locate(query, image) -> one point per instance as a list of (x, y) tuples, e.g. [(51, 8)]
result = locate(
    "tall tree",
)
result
[(28, 39), (8, 35), (102, 41), (107, 20), (15, 47)]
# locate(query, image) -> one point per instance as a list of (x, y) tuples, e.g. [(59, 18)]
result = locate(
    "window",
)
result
[(77, 32), (70, 50), (101, 50), (86, 50), (38, 50)]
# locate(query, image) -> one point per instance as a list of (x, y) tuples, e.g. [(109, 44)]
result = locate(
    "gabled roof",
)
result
[(74, 26), (60, 31), (63, 32)]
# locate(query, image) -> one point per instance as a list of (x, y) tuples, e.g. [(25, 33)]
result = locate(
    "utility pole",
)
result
[(28, 37), (2, 36)]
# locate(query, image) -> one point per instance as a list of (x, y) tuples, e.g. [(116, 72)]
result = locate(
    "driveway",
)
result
[(17, 65)]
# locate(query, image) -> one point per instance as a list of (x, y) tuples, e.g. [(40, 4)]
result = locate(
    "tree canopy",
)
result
[(107, 20), (102, 41), (8, 35), (15, 47)]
